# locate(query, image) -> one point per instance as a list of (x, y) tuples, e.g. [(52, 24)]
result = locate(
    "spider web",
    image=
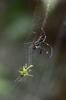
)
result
[(28, 54)]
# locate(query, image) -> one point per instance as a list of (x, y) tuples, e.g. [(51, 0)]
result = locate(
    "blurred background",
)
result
[(20, 22)]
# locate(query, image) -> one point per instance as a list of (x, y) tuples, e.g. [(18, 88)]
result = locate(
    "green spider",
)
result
[(23, 72)]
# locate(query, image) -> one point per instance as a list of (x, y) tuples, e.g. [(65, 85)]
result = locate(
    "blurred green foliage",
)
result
[(20, 27), (5, 85), (17, 19)]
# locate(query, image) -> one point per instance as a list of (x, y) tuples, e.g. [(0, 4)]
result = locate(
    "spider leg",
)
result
[(50, 49)]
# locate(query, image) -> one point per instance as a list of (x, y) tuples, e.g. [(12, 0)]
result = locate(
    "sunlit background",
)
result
[(20, 22)]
